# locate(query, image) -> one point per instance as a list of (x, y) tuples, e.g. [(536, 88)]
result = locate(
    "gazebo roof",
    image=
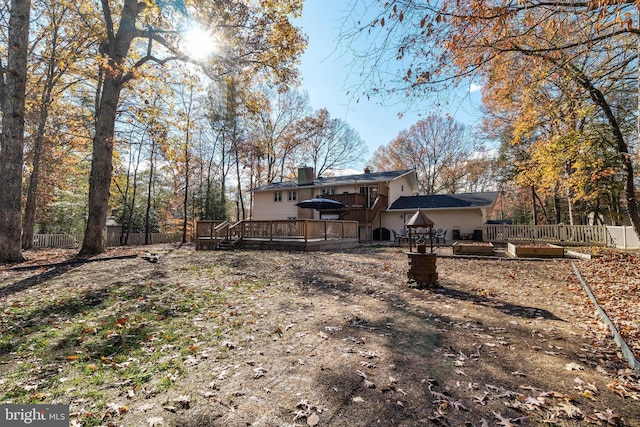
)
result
[(420, 220)]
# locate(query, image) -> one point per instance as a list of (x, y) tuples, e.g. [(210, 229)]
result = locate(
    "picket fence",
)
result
[(113, 239), (623, 237)]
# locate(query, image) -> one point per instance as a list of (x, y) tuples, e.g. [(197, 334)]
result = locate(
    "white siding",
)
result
[(266, 209), (465, 220), (400, 187)]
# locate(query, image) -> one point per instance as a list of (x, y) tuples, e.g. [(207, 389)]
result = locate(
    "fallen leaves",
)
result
[(360, 343), (308, 411)]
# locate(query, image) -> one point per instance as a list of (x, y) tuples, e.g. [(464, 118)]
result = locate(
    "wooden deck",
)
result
[(300, 235)]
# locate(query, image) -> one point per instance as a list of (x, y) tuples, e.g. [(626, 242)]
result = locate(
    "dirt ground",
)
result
[(327, 339)]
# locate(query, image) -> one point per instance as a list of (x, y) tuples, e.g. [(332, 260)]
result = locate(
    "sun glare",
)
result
[(199, 43)]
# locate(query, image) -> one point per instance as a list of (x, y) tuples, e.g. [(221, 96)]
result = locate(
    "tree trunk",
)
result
[(29, 220), (101, 169), (240, 209), (533, 206), (30, 208), (185, 219), (12, 141), (117, 50), (147, 214), (599, 99), (556, 208)]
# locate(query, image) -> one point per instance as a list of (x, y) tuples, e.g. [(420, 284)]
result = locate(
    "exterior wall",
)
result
[(400, 187), (264, 208), (305, 193), (339, 189), (465, 220)]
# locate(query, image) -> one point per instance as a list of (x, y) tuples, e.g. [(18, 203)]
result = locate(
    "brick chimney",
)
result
[(305, 175)]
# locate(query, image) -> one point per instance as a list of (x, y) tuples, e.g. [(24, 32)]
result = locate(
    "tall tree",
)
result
[(435, 45), (12, 139), (275, 129), (56, 57), (258, 35), (328, 143), (437, 148)]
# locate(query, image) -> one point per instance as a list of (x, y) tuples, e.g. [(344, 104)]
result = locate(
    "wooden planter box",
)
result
[(473, 248), (535, 250)]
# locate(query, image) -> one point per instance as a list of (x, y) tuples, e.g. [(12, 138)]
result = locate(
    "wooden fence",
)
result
[(559, 234), (75, 240)]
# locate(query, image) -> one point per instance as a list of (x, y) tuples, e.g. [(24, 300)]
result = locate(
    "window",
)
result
[(328, 191), (277, 196), (293, 196)]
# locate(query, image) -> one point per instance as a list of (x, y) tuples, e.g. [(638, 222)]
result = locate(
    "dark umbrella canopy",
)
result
[(320, 204)]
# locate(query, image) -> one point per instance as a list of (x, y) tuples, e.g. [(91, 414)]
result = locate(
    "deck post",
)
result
[(325, 230)]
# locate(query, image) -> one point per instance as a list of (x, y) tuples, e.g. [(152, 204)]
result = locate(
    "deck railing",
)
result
[(300, 229), (560, 234)]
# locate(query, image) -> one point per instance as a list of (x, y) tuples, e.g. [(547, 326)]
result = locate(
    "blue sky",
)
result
[(326, 76)]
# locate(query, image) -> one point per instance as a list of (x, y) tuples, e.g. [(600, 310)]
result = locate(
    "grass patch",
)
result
[(82, 343)]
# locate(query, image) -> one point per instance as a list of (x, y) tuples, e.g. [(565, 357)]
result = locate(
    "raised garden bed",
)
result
[(545, 250), (473, 248)]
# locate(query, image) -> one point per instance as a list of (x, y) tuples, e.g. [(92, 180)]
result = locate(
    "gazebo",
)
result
[(420, 220)]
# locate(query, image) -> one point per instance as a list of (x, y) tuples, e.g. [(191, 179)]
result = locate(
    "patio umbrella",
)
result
[(320, 204)]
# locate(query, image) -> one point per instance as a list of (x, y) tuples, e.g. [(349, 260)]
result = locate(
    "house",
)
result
[(461, 215), (379, 201)]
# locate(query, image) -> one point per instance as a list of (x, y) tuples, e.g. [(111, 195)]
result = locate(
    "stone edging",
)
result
[(626, 351)]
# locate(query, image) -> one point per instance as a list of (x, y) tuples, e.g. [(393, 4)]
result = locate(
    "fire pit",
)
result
[(422, 265)]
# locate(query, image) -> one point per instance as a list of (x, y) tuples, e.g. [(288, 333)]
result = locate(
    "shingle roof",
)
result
[(445, 201), (340, 180)]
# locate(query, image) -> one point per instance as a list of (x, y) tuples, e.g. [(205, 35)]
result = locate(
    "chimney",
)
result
[(305, 175), (367, 169)]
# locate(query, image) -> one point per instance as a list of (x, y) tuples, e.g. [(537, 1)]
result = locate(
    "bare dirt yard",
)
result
[(265, 338)]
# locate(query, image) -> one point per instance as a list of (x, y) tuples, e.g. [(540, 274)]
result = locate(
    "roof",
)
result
[(446, 201), (420, 220), (340, 180)]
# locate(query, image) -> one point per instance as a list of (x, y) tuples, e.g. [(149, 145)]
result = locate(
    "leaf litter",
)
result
[(253, 338)]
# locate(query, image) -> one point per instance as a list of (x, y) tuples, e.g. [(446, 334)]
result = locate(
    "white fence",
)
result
[(559, 234), (56, 240), (600, 235), (623, 237), (75, 240)]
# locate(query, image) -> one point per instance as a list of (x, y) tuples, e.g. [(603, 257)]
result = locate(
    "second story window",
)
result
[(293, 196), (277, 196)]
